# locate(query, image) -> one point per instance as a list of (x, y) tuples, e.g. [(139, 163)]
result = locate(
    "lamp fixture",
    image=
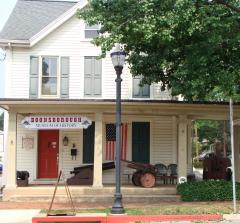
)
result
[(65, 141), (118, 57)]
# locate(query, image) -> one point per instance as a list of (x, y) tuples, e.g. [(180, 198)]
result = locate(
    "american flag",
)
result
[(111, 141)]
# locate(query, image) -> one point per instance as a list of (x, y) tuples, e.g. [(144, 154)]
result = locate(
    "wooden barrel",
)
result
[(136, 178), (147, 180)]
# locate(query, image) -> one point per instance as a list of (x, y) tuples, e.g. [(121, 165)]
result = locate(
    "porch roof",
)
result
[(196, 109)]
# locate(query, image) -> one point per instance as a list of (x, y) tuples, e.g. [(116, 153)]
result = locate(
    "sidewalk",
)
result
[(232, 217), (17, 216)]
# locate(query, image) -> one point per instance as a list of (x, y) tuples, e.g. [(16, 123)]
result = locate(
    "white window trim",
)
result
[(88, 29), (141, 98), (58, 77)]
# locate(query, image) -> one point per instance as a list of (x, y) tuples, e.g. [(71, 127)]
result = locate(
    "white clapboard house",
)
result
[(55, 86)]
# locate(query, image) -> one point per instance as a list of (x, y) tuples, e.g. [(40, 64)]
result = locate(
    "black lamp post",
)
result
[(118, 58)]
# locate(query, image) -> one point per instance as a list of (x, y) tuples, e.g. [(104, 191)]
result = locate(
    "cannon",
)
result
[(83, 175), (145, 174)]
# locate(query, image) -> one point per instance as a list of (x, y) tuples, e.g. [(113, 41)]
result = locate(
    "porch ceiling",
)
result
[(194, 110)]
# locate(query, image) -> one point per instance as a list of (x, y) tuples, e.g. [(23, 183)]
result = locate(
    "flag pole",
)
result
[(233, 159)]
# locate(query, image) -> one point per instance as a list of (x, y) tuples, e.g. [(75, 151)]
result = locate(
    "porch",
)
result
[(168, 126)]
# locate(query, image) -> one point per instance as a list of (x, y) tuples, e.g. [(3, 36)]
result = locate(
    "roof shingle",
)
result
[(30, 16)]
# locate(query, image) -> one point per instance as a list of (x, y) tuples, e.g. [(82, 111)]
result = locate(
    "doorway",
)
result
[(48, 151)]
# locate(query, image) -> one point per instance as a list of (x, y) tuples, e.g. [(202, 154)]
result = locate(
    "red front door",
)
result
[(48, 153)]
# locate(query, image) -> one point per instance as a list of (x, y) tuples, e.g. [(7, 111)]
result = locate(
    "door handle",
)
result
[(57, 158)]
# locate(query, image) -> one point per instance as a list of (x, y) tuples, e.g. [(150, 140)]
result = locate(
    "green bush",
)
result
[(210, 190)]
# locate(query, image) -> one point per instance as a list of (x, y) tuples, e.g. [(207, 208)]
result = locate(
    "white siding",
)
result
[(163, 141), (162, 148), (158, 94), (26, 158), (66, 162), (1, 148), (68, 40)]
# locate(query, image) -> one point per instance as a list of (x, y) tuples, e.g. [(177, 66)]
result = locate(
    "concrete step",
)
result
[(79, 191), (98, 198), (86, 193)]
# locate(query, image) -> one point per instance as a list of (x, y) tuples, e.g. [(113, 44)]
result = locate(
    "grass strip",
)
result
[(195, 208)]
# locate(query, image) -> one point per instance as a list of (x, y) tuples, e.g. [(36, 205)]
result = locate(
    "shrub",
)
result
[(210, 190)]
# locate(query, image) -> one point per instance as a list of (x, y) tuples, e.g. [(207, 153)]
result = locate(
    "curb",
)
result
[(126, 218)]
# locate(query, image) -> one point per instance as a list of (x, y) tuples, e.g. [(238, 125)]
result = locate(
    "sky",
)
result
[(6, 6)]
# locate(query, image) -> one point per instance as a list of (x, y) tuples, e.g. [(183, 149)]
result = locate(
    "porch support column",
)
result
[(237, 152), (11, 151), (189, 145), (97, 170), (182, 146)]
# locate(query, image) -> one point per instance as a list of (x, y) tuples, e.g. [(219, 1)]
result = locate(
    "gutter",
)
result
[(13, 43)]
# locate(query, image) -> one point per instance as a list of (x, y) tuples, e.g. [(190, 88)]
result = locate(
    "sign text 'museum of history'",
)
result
[(56, 122)]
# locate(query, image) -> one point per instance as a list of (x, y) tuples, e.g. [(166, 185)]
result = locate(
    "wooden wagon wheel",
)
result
[(147, 180), (136, 178)]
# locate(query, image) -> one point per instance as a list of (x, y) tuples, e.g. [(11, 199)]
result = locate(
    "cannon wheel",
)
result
[(147, 180), (136, 178)]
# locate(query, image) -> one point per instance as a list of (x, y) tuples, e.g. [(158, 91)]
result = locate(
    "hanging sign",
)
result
[(56, 122)]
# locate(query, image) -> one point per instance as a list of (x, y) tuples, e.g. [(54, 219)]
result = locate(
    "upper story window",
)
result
[(49, 85), (49, 77), (92, 77), (138, 91), (91, 31)]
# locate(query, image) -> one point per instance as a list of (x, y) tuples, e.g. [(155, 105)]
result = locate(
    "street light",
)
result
[(118, 58)]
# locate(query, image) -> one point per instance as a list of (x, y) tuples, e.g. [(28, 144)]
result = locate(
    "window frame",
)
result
[(57, 76), (140, 88), (90, 29)]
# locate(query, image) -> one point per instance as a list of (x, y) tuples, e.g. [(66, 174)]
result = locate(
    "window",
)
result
[(92, 77), (91, 31), (49, 75), (138, 91)]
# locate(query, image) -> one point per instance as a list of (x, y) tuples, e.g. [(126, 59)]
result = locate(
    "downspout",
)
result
[(8, 71)]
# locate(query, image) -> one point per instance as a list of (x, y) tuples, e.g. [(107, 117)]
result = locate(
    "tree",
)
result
[(191, 46), (210, 129)]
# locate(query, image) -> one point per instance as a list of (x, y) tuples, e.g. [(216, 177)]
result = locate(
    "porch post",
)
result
[(97, 170), (237, 152), (11, 151), (189, 144), (182, 146)]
